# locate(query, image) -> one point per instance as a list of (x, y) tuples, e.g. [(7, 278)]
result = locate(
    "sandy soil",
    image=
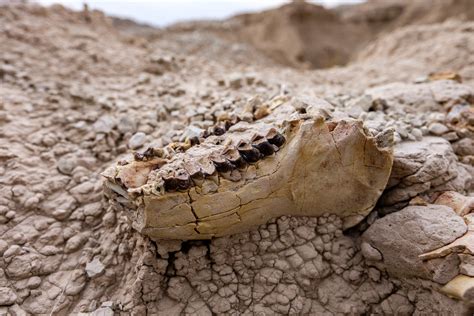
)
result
[(79, 94)]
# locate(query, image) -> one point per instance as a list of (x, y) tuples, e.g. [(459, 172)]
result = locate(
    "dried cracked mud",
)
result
[(191, 171)]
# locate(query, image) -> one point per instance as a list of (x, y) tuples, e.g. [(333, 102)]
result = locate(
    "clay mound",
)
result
[(391, 14), (301, 34), (436, 11), (305, 35), (437, 47)]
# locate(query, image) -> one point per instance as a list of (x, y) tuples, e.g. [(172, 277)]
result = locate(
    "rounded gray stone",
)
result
[(137, 140), (402, 236)]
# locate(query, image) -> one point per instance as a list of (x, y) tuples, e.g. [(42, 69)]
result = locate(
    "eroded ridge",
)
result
[(287, 163)]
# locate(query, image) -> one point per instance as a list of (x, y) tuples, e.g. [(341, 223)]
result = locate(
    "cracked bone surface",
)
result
[(285, 164)]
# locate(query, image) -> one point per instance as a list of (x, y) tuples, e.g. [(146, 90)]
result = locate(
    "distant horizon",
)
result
[(166, 12)]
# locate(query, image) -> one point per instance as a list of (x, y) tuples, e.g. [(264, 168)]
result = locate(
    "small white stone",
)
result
[(33, 282), (451, 136), (191, 131), (417, 133), (10, 215), (13, 250), (61, 214), (103, 311), (94, 268), (66, 164), (105, 124), (438, 129), (137, 140)]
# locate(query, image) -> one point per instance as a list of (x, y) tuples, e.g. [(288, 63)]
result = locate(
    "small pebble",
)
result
[(437, 129), (11, 251), (137, 140), (33, 282), (94, 268), (10, 215), (417, 134), (451, 136)]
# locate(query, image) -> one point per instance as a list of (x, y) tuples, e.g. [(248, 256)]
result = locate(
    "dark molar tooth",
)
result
[(234, 157), (275, 138), (248, 152), (149, 154), (250, 156), (264, 147), (228, 124), (171, 182), (218, 130), (222, 164), (183, 179)]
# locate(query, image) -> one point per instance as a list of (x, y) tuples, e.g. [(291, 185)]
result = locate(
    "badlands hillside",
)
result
[(297, 161)]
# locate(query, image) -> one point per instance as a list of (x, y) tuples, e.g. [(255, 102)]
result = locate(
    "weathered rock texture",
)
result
[(400, 238), (424, 167), (77, 96)]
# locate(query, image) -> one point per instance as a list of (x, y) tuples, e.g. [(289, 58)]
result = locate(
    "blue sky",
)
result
[(165, 12)]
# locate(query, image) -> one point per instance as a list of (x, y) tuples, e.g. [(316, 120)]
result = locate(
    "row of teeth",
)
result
[(216, 130), (230, 159)]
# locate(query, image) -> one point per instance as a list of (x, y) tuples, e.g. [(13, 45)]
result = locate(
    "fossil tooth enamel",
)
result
[(248, 152), (275, 138), (222, 164), (233, 156), (263, 146), (253, 172)]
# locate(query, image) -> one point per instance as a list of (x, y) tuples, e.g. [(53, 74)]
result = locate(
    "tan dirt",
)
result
[(78, 94)]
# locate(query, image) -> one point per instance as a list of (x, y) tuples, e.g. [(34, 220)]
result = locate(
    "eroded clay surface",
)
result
[(78, 96)]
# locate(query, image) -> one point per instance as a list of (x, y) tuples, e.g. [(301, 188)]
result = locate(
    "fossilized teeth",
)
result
[(263, 146), (218, 130), (229, 123), (275, 138), (248, 152), (221, 163), (183, 179), (171, 182), (233, 155), (323, 167), (149, 154)]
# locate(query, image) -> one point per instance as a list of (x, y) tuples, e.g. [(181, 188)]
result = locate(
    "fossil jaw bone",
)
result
[(232, 182), (317, 171)]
